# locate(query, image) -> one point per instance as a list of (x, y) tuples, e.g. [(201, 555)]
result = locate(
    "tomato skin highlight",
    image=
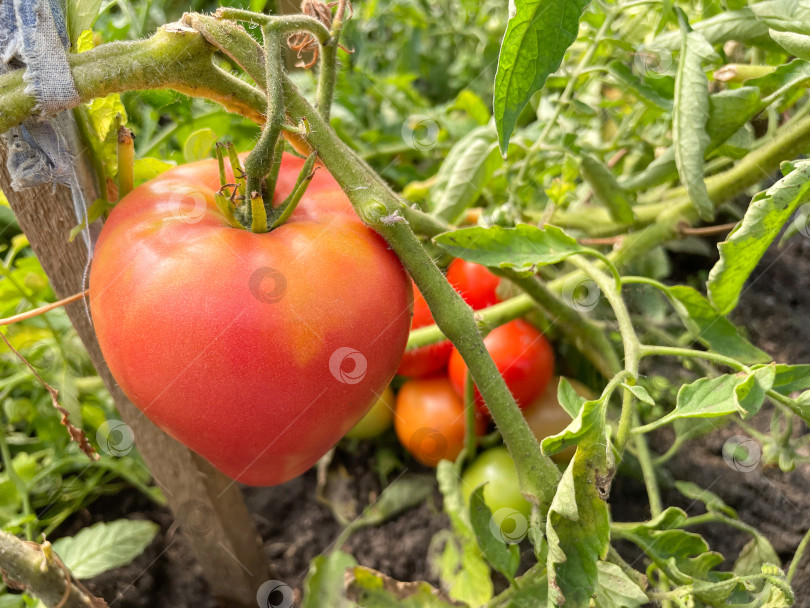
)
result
[(429, 420), (257, 351), (476, 284), (523, 356), (425, 360)]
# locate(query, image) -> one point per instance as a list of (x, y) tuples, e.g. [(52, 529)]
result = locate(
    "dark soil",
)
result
[(296, 527)]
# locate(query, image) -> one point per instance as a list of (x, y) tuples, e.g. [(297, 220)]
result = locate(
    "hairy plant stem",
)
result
[(797, 556), (379, 208), (35, 568), (328, 67)]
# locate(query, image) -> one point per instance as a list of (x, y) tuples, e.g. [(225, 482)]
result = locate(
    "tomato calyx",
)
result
[(256, 211)]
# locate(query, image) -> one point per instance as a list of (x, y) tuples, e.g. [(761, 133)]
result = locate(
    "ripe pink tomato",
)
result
[(257, 351)]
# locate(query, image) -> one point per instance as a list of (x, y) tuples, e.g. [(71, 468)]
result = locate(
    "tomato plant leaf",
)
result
[(640, 393), (323, 585), (617, 590), (455, 554), (682, 555), (689, 119), (703, 398), (791, 378), (645, 92), (795, 44), (607, 190), (104, 546), (784, 78), (473, 105), (405, 492), (710, 328), (756, 553), (504, 557), (80, 15), (783, 15), (569, 399), (750, 393), (368, 588), (523, 247), (741, 25), (537, 35), (747, 243), (577, 528), (468, 167), (712, 501)]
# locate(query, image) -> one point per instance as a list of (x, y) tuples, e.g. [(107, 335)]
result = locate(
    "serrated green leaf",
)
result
[(756, 553), (368, 588), (577, 528), (747, 243), (703, 398), (795, 44), (504, 557), (323, 585), (689, 119), (80, 16), (468, 167), (750, 393), (783, 15), (607, 190), (639, 392), (200, 145), (104, 546), (523, 247), (537, 35), (713, 502), (741, 25), (791, 378), (683, 556), (404, 493), (711, 328), (460, 564), (617, 590)]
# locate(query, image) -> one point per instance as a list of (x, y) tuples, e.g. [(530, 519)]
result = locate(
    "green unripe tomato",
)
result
[(377, 420), (510, 511)]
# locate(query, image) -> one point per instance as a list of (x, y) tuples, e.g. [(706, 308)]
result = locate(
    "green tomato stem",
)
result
[(289, 205)]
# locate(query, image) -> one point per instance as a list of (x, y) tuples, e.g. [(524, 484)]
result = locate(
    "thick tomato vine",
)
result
[(258, 351)]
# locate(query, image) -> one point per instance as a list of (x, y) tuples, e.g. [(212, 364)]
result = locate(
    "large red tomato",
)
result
[(476, 284), (523, 356), (258, 351), (425, 360)]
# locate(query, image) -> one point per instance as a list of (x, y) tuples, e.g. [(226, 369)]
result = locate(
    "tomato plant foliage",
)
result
[(579, 151)]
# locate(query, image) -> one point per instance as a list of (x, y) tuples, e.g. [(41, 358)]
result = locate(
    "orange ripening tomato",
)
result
[(257, 351), (429, 420), (523, 356), (425, 360), (476, 284)]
